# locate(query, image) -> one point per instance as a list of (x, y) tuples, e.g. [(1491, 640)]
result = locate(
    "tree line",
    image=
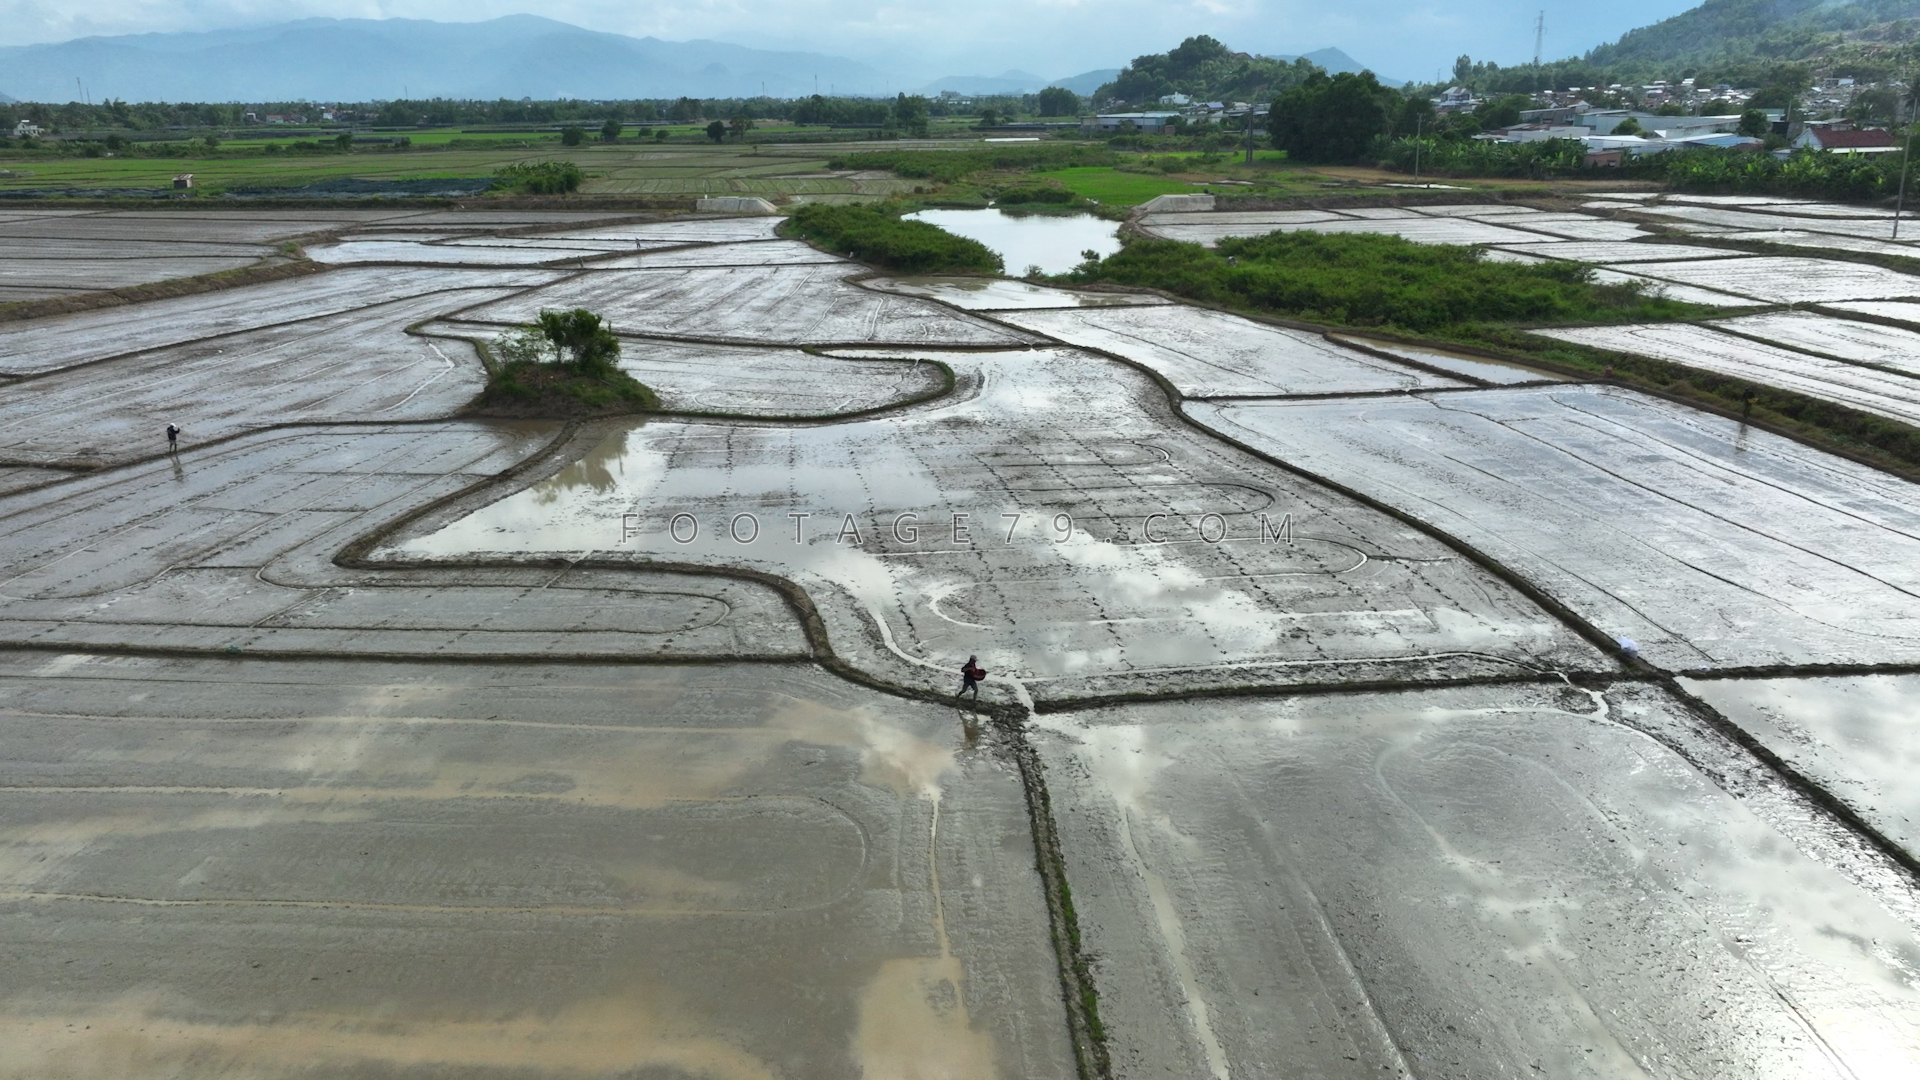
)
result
[(115, 115)]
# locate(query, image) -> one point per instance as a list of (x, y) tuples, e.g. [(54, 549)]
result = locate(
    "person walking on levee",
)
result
[(970, 676)]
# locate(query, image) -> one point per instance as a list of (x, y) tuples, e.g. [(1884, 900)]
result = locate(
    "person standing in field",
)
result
[(970, 676), (173, 439)]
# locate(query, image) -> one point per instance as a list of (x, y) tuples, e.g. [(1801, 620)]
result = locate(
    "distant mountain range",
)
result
[(1087, 82), (1020, 82), (1334, 61), (365, 59), (513, 57), (1007, 82)]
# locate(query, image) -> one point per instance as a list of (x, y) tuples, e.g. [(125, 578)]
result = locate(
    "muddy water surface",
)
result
[(281, 869), (1044, 520), (1053, 242), (1858, 736), (1458, 883)]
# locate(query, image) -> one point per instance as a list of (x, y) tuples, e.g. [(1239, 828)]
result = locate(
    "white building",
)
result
[(1146, 123), (26, 129), (1603, 121), (1651, 142)]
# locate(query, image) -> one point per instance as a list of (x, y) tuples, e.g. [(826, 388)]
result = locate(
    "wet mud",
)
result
[(1854, 735), (1102, 546), (1705, 543), (1457, 883), (719, 872), (357, 739)]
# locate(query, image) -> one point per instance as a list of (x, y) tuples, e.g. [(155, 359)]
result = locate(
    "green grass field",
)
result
[(625, 168), (1111, 187), (1127, 187), (686, 164)]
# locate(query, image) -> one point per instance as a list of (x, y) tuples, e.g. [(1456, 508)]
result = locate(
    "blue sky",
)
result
[(923, 39)]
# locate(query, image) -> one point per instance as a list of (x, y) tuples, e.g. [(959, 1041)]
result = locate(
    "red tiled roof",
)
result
[(1852, 140)]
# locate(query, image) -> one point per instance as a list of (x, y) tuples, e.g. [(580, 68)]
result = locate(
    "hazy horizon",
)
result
[(912, 44)]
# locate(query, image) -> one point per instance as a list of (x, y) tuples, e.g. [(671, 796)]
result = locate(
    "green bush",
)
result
[(1809, 173), (539, 177), (1480, 157), (1035, 194), (1364, 280), (881, 237), (528, 388), (1816, 173)]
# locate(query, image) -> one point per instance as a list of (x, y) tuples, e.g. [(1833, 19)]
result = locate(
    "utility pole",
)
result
[(1249, 134), (1539, 32), (1416, 146), (1906, 149)]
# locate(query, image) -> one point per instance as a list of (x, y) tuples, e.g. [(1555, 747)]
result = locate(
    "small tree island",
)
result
[(565, 364)]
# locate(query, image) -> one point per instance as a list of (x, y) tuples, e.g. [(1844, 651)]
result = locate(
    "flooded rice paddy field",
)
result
[(1079, 564), (1847, 339), (1481, 370), (1852, 733), (1869, 389), (789, 305), (36, 345), (361, 738), (1458, 883), (1212, 354), (1787, 279), (999, 294), (231, 547), (1842, 361), (763, 381), (353, 365), (1706, 543), (259, 868)]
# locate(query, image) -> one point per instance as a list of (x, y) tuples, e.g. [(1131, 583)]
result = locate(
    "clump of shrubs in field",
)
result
[(539, 177), (564, 364), (1035, 193), (882, 237), (1362, 280)]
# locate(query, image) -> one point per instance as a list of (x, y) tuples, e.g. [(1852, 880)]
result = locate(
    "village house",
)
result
[(1841, 137)]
